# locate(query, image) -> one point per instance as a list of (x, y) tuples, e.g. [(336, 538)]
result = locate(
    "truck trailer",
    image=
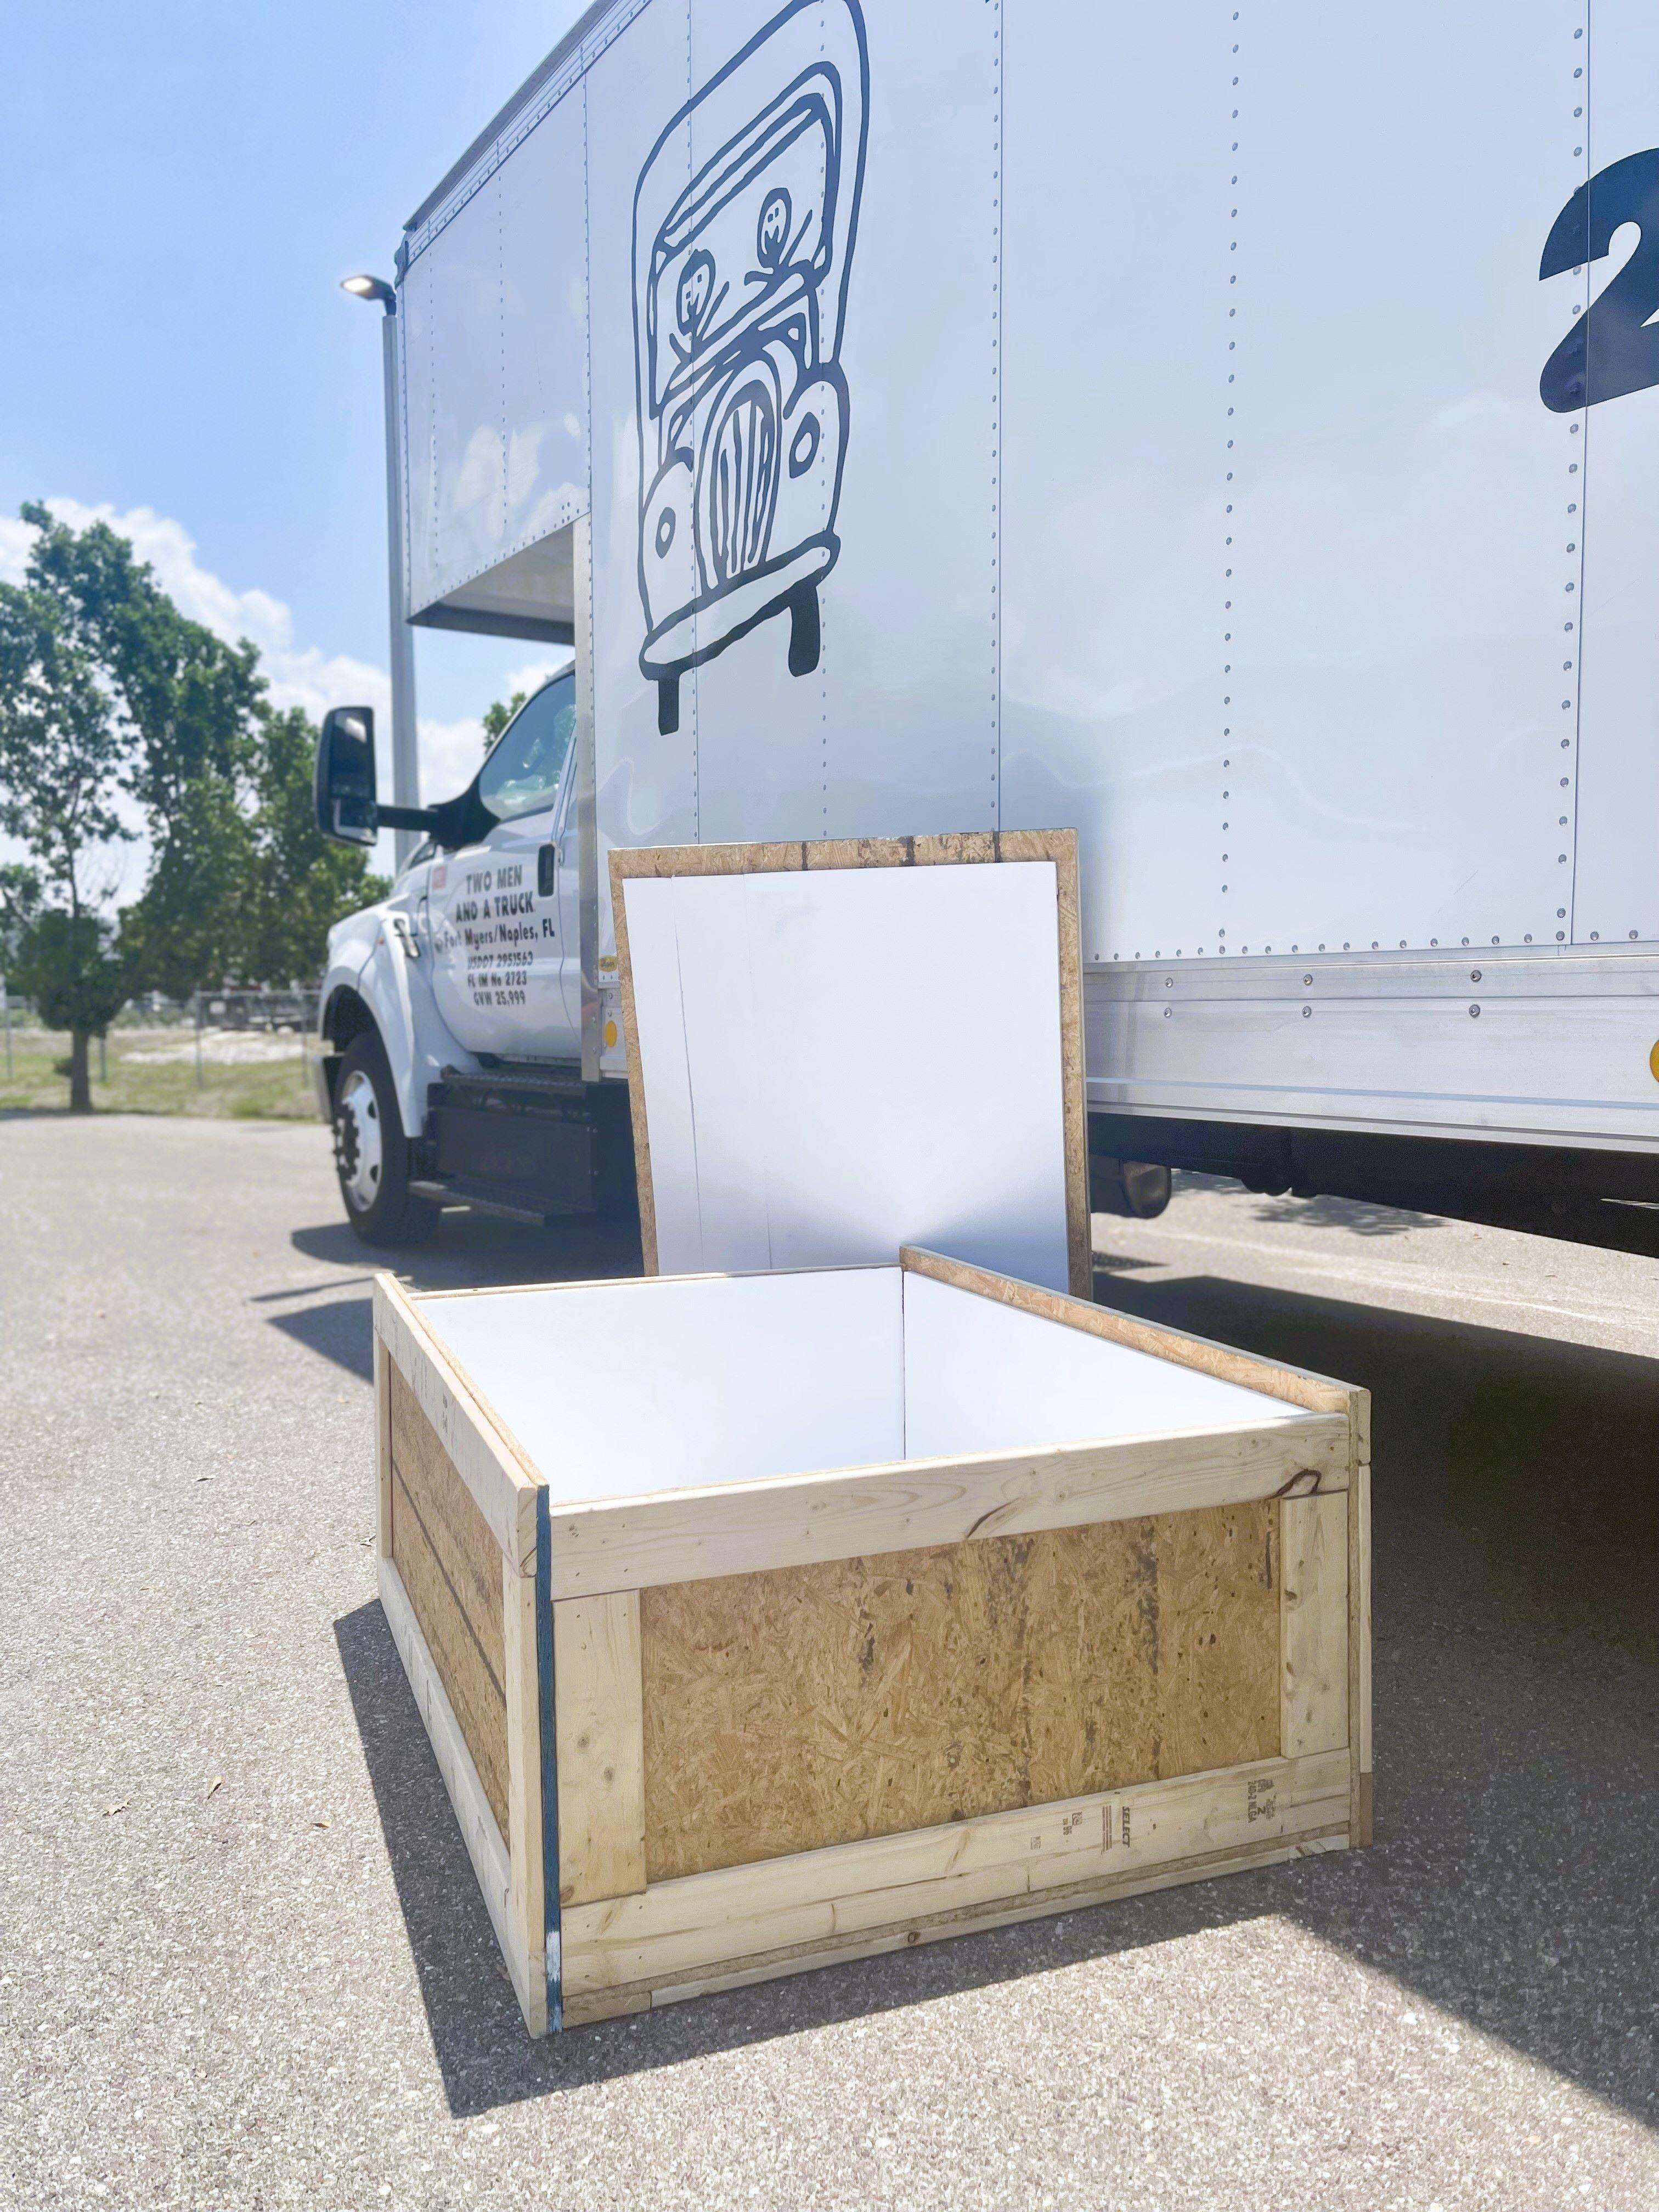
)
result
[(1232, 432)]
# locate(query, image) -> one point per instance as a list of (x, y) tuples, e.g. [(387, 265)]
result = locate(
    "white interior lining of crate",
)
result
[(981, 1377), (617, 1389), (613, 1389), (835, 1062)]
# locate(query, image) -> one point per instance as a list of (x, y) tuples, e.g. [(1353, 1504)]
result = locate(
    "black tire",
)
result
[(379, 1203), (1137, 1188)]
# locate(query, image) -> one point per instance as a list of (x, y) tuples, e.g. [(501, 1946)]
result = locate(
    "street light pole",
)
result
[(405, 742)]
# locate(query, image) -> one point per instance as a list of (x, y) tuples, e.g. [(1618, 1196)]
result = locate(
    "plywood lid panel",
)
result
[(827, 1061)]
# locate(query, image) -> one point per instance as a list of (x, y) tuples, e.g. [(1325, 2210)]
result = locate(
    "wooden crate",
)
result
[(707, 1716)]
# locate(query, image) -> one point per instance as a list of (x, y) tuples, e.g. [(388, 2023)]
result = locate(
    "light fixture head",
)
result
[(371, 287)]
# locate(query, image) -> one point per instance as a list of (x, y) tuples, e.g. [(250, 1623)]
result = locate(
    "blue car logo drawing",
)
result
[(740, 278)]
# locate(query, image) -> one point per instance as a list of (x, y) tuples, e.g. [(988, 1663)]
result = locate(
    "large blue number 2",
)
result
[(1612, 349)]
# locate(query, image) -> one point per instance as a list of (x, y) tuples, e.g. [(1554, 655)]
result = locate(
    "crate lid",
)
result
[(835, 1049)]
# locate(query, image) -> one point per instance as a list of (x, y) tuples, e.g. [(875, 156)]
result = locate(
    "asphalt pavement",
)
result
[(243, 1961)]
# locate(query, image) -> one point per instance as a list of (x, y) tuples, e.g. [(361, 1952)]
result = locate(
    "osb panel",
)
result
[(815, 1705), (451, 1566)]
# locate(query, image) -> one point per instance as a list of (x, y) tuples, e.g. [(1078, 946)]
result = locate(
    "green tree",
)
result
[(116, 708), (20, 902), (189, 708), (71, 966), (20, 906), (496, 717), (188, 929), (64, 751)]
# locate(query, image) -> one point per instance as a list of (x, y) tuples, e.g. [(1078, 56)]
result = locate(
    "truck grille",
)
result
[(742, 483)]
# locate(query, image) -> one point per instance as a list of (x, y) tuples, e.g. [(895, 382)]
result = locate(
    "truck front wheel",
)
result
[(371, 1152)]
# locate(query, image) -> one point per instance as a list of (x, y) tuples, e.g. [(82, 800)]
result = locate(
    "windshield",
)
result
[(521, 776)]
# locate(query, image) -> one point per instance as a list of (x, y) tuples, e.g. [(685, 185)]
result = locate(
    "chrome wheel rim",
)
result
[(357, 1148)]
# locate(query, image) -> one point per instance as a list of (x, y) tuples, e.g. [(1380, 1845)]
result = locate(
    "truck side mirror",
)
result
[(346, 808)]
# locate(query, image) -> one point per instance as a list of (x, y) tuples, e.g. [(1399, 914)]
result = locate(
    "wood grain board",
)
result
[(382, 1449), (451, 1568), (601, 1753), (810, 1706), (1314, 1625), (743, 1922), (797, 1520), (480, 1831), (500, 1481), (527, 1895)]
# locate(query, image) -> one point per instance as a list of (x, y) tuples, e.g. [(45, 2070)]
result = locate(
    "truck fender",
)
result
[(379, 975), (365, 986), (383, 985)]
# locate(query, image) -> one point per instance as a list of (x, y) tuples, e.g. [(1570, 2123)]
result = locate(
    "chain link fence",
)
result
[(220, 1030), (238, 1027)]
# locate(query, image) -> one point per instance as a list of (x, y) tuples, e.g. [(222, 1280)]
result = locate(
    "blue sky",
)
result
[(185, 186)]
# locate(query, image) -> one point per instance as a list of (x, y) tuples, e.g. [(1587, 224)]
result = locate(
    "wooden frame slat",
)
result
[(942, 1927), (480, 1834), (688, 1535), (382, 1449), (502, 1482), (601, 1746), (1359, 1649), (783, 1909), (1314, 1625), (1294, 1386), (526, 1902)]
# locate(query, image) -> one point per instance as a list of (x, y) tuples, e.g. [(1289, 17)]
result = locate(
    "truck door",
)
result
[(502, 911)]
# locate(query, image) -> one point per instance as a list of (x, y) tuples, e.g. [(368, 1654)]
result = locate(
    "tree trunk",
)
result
[(79, 1082)]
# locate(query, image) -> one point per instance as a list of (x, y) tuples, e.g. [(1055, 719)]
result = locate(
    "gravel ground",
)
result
[(242, 1959)]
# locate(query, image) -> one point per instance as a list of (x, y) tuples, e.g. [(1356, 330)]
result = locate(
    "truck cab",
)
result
[(450, 1022)]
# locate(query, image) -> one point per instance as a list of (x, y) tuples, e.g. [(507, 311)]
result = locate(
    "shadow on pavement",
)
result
[(1349, 1213), (1515, 1476), (341, 1329), (1516, 1509), (1516, 1675), (466, 1251)]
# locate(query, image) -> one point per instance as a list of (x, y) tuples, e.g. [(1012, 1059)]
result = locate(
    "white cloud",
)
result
[(15, 539), (534, 673), (298, 675), (450, 753)]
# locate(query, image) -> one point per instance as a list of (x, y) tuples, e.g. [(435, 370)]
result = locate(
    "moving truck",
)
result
[(1232, 431)]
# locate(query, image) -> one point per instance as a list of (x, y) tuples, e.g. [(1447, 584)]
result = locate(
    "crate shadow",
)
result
[(471, 1251), (1516, 1510), (340, 1329), (465, 1252)]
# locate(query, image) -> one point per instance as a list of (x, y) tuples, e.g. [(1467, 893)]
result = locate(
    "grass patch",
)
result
[(271, 1090)]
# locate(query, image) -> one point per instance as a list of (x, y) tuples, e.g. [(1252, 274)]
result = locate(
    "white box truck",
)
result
[(1232, 431)]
